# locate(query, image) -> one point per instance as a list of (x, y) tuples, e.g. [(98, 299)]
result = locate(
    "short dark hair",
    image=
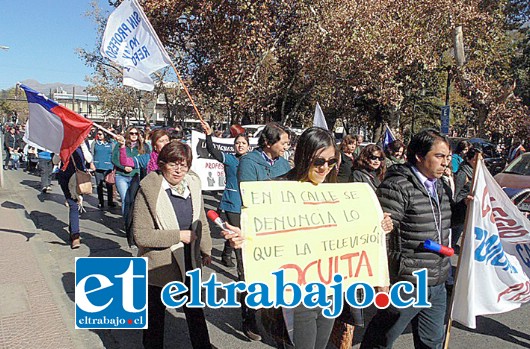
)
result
[(422, 142), (156, 135), (309, 143), (175, 151), (271, 134), (472, 152), (461, 146), (349, 139), (395, 146), (176, 134), (241, 135)]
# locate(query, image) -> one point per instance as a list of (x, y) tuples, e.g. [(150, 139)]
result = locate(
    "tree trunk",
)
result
[(482, 116)]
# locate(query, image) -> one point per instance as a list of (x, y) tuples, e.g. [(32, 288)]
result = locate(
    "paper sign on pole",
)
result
[(313, 232)]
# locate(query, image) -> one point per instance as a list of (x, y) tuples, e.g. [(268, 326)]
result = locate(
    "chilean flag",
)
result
[(54, 127)]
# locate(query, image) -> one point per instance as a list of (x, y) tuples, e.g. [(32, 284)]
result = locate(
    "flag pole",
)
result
[(186, 90), (104, 129), (161, 46), (478, 157)]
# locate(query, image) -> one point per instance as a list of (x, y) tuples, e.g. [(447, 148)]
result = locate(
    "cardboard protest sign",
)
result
[(313, 232), (211, 171)]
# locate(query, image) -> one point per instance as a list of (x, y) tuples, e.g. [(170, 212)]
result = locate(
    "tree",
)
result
[(364, 61)]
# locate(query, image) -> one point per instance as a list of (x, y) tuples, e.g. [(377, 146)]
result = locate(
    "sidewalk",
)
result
[(37, 282), (37, 274), (29, 314)]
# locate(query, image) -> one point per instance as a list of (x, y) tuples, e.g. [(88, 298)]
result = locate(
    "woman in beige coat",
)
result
[(171, 231)]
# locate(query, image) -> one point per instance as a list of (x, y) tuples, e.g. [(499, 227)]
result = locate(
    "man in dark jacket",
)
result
[(421, 206), (12, 143)]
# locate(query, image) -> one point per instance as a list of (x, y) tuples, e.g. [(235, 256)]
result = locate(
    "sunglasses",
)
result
[(319, 162), (133, 133), (373, 157), (100, 134)]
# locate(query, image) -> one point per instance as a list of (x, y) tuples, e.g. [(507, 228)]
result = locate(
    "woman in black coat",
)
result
[(370, 166), (347, 147)]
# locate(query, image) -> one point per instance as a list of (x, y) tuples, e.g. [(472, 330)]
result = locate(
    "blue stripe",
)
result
[(36, 97)]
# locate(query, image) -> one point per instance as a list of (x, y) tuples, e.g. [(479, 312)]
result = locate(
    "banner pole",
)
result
[(104, 130), (186, 90), (478, 158)]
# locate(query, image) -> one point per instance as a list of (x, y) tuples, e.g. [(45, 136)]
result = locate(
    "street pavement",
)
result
[(37, 281)]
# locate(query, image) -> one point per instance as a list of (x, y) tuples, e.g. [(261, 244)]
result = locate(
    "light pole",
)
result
[(87, 107)]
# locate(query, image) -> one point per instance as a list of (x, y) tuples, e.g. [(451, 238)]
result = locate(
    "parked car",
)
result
[(515, 180), (253, 130), (494, 161)]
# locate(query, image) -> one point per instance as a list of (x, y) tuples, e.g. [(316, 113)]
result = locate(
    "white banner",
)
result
[(130, 41), (319, 120), (494, 270), (211, 171)]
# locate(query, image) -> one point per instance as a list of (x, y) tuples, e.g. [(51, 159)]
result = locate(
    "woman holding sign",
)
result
[(231, 200), (315, 160)]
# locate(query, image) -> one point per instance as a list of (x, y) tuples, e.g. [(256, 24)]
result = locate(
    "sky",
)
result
[(42, 36)]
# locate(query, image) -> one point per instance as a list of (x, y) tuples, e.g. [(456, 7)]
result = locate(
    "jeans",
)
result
[(100, 182), (311, 329), (122, 184), (46, 168), (427, 323), (73, 213)]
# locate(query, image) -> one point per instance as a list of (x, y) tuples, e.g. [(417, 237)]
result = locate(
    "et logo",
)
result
[(110, 293)]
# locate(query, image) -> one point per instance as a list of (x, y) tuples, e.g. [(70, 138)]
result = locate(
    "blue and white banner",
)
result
[(388, 137), (494, 270), (131, 42)]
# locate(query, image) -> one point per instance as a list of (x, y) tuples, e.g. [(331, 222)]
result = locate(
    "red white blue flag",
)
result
[(494, 270), (53, 127)]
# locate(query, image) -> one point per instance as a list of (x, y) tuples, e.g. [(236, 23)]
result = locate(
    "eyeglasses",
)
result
[(133, 133), (373, 157), (174, 166), (319, 162)]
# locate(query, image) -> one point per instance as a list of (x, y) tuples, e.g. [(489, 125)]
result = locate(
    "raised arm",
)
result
[(216, 153)]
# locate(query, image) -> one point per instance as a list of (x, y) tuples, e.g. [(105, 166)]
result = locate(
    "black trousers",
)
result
[(248, 315), (153, 337), (100, 182)]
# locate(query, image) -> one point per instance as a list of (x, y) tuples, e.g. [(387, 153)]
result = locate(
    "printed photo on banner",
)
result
[(313, 233), (211, 171)]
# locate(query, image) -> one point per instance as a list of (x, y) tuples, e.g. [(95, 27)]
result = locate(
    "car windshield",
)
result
[(520, 166)]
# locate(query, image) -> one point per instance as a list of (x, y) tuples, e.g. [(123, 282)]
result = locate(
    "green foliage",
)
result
[(364, 61)]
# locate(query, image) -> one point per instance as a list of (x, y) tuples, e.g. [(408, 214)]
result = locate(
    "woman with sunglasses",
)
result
[(149, 161), (134, 145), (101, 150), (315, 159), (370, 166), (231, 200)]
